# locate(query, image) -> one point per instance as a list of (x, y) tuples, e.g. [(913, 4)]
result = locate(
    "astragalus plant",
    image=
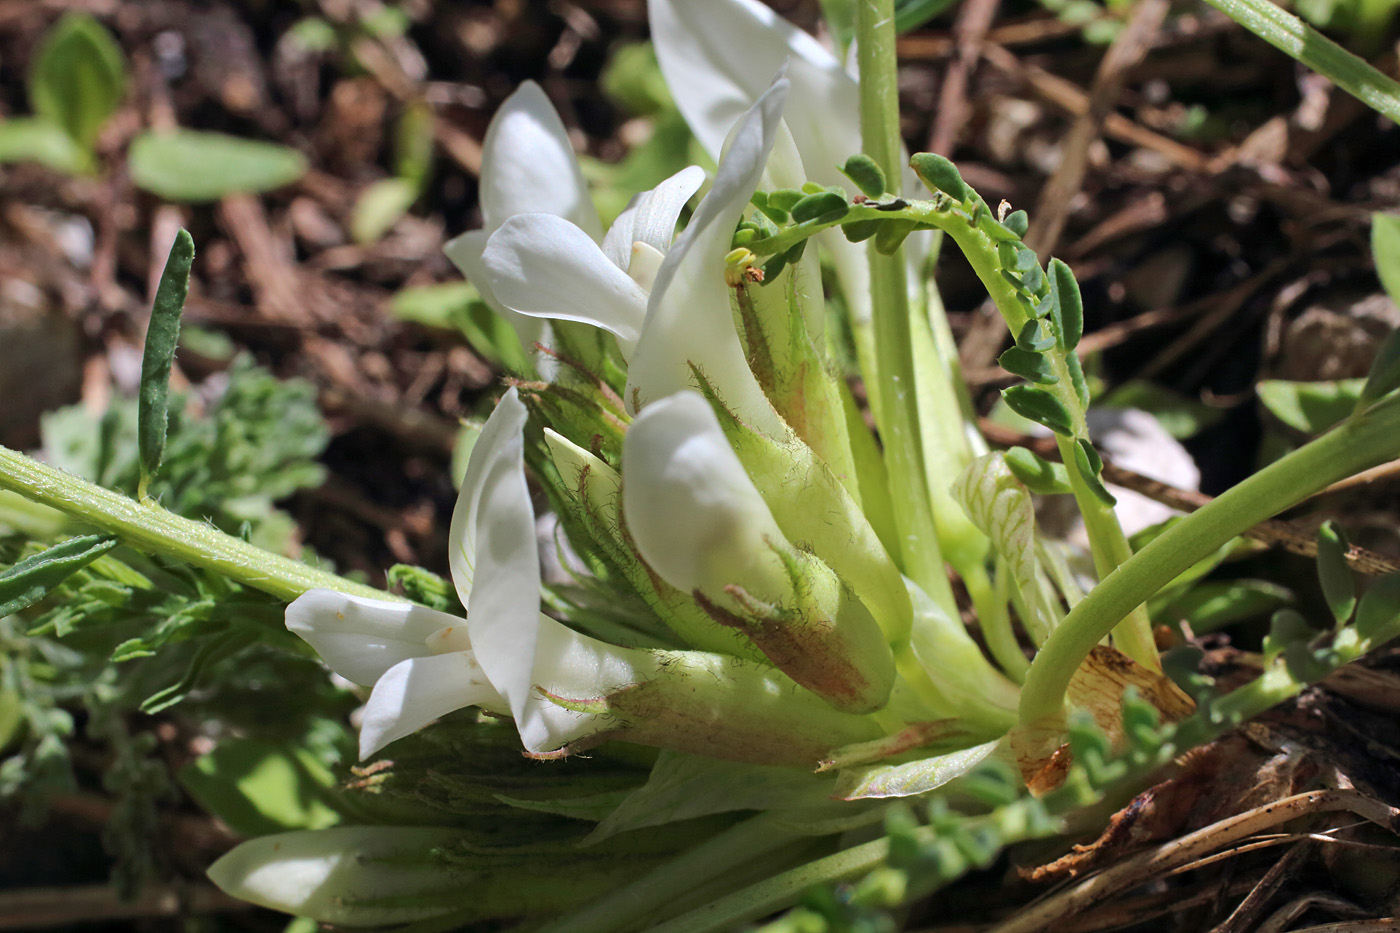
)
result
[(762, 614)]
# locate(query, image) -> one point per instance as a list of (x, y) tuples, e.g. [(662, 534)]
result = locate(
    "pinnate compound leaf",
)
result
[(192, 166), (78, 77), (1041, 407), (31, 579), (1338, 584)]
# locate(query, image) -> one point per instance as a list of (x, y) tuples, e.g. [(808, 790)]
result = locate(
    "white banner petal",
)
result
[(688, 318), (361, 638), (544, 266), (719, 56), (413, 693), (651, 216), (528, 165)]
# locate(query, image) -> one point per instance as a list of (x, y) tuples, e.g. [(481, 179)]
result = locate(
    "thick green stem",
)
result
[(152, 530), (1288, 33), (1353, 446), (920, 553)]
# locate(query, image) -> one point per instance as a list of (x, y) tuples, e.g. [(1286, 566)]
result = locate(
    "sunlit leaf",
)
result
[(77, 78), (187, 165)]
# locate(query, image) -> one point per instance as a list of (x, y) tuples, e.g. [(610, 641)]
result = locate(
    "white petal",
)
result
[(692, 510), (544, 266), (688, 318), (574, 667), (494, 556), (465, 251), (413, 693), (352, 876), (361, 638), (651, 216), (719, 56), (528, 165)]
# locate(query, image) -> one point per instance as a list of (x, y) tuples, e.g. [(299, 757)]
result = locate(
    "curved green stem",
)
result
[(152, 530), (1355, 445)]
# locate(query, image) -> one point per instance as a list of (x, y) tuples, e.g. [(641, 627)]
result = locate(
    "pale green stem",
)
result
[(1288, 33), (742, 907), (627, 905), (1354, 445), (152, 530), (920, 554)]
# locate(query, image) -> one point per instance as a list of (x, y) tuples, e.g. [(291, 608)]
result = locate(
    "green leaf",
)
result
[(1041, 407), (162, 335), (892, 234), (25, 139), (192, 166), (413, 144), (1378, 613), (939, 174), (1384, 376), (1076, 378), (1287, 628), (31, 579), (1028, 365), (683, 786), (1069, 323), (1018, 222), (858, 230), (77, 78), (379, 207), (911, 14), (1086, 460), (1385, 251), (866, 173), (1210, 606), (821, 204), (1040, 476), (1310, 407), (1035, 337), (1338, 584), (259, 788)]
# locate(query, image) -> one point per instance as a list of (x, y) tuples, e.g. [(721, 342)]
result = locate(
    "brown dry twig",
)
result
[(1158, 861)]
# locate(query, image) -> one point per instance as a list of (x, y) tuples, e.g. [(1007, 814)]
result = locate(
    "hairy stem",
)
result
[(152, 530)]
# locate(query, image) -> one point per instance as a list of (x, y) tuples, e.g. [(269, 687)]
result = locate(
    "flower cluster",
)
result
[(693, 432)]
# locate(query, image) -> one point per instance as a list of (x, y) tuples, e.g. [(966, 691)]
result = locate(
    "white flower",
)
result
[(545, 266), (527, 166), (506, 656)]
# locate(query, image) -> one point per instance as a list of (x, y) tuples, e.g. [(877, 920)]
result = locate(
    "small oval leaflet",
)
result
[(1338, 585), (1070, 320), (940, 174), (1040, 476), (162, 335), (1041, 407), (1028, 364), (818, 205), (866, 173)]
